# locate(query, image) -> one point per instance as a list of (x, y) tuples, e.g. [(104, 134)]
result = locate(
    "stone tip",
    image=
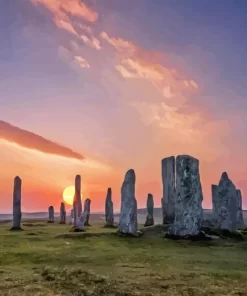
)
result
[(185, 156), (214, 186), (224, 175), (150, 195), (168, 158), (130, 175), (109, 190), (78, 177)]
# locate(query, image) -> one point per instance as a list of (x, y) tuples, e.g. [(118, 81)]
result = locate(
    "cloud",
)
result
[(63, 9), (30, 140), (92, 41), (137, 63), (61, 24), (81, 62)]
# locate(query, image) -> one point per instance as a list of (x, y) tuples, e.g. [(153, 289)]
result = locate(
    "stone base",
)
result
[(76, 229), (110, 226), (149, 222), (137, 234), (200, 237), (15, 229), (50, 221), (224, 233), (87, 224)]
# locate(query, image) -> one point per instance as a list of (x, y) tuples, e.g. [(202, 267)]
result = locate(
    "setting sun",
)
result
[(68, 194)]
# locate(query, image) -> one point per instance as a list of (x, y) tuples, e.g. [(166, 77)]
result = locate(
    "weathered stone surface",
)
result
[(189, 213), (62, 213), (168, 181), (72, 217), (214, 203), (51, 214), (226, 204), (109, 215), (240, 219), (77, 205), (128, 215), (17, 204), (150, 211), (86, 214)]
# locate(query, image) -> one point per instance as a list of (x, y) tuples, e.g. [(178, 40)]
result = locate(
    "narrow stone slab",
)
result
[(77, 206), (240, 218), (51, 214), (226, 204), (150, 211), (188, 202), (72, 217), (62, 214), (128, 216), (86, 213), (109, 215), (17, 204), (168, 181)]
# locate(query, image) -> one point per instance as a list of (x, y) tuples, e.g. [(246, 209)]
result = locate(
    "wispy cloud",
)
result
[(91, 41), (83, 63), (136, 63), (65, 8), (30, 140)]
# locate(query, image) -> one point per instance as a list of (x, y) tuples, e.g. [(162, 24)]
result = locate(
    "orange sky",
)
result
[(114, 94)]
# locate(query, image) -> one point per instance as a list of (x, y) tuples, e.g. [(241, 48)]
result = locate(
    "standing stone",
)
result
[(189, 213), (51, 214), (240, 219), (168, 180), (128, 215), (214, 203), (77, 206), (109, 216), (150, 211), (226, 204), (72, 217), (86, 213), (62, 214), (17, 204)]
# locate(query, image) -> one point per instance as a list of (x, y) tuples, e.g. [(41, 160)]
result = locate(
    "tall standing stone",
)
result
[(86, 214), (51, 214), (17, 204), (128, 215), (72, 217), (150, 211), (214, 203), (189, 213), (77, 206), (240, 218), (62, 213), (109, 215), (226, 204), (168, 180)]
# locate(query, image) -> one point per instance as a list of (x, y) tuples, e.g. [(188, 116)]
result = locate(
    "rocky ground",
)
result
[(42, 261)]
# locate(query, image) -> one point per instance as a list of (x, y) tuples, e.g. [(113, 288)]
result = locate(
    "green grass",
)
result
[(35, 262)]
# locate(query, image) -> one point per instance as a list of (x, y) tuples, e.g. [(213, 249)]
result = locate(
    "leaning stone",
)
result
[(226, 209), (214, 204), (86, 213), (168, 181), (77, 205), (62, 214), (128, 214), (17, 204), (150, 211), (240, 219), (109, 216), (51, 214), (189, 213)]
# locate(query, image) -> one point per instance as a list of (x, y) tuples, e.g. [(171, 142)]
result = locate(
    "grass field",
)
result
[(35, 262)]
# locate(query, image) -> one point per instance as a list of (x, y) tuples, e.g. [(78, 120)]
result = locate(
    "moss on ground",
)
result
[(37, 261)]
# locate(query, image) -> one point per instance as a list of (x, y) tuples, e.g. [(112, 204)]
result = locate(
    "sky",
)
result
[(108, 85)]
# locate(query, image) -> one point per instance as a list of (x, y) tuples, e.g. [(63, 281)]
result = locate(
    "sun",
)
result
[(68, 195)]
